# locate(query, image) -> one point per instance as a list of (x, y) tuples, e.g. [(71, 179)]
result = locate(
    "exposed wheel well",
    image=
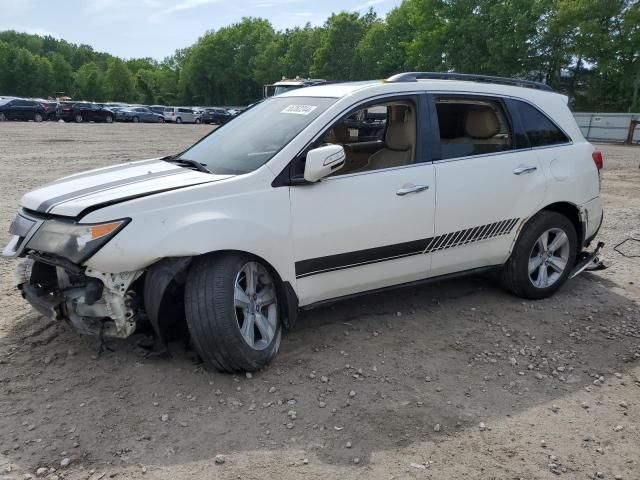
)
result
[(573, 214), (175, 271)]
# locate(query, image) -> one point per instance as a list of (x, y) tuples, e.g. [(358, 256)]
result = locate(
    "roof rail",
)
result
[(415, 76)]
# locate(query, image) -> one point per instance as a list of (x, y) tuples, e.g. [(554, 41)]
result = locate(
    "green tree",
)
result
[(119, 81), (89, 83)]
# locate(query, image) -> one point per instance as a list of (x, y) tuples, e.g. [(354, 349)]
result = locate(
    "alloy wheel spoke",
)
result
[(265, 327), (543, 242), (247, 329), (557, 263), (251, 277), (241, 298), (560, 239), (543, 278), (534, 263)]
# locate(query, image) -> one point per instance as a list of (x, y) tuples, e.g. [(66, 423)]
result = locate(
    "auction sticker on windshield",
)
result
[(299, 109)]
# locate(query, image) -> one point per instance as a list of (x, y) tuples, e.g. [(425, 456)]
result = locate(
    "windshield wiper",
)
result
[(201, 167)]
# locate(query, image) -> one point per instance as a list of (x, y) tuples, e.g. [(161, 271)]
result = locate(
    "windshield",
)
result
[(253, 138), (285, 88)]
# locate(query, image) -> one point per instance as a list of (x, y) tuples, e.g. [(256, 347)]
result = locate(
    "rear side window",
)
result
[(540, 130), (470, 126), (185, 110)]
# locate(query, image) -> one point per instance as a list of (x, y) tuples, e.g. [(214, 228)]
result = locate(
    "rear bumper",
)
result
[(591, 217)]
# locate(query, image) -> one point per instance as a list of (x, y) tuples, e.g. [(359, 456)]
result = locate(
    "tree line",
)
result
[(588, 49)]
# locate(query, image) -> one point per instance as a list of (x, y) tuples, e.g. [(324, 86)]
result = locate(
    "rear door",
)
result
[(489, 181)]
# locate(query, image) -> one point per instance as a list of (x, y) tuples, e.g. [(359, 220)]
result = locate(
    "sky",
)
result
[(156, 28)]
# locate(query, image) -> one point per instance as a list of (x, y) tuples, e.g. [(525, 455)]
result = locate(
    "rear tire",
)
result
[(160, 120), (109, 119), (78, 118), (232, 312), (198, 121), (178, 120), (542, 258), (135, 120), (3, 117), (38, 118)]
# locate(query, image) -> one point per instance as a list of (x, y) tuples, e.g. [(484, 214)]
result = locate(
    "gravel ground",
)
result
[(453, 380)]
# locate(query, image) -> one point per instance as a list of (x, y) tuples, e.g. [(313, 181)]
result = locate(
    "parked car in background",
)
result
[(157, 109), (84, 112), (181, 115), (139, 114), (218, 116), (21, 109)]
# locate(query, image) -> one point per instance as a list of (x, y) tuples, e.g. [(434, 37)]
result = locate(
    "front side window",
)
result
[(375, 137), (540, 130), (472, 127), (254, 137)]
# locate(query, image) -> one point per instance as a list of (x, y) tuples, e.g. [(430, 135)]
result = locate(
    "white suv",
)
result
[(316, 195)]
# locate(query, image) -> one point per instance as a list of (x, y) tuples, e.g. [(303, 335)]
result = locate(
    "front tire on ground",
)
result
[(78, 118), (231, 304), (543, 256)]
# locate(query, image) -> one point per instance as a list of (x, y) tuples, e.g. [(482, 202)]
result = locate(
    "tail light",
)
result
[(597, 159)]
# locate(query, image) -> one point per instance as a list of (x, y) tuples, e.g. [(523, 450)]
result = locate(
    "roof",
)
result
[(381, 87)]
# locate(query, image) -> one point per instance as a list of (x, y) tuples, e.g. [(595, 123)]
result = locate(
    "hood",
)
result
[(70, 196)]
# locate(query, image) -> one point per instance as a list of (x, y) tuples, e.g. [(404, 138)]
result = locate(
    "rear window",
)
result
[(538, 127), (254, 137), (472, 126)]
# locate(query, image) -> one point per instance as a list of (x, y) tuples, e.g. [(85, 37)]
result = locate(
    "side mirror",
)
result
[(323, 161)]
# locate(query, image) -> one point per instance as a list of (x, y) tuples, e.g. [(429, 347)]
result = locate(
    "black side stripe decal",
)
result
[(314, 266)]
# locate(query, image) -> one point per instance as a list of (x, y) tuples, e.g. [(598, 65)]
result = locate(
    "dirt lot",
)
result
[(453, 380)]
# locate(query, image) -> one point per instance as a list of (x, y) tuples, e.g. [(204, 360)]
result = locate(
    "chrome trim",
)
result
[(415, 189), (521, 170)]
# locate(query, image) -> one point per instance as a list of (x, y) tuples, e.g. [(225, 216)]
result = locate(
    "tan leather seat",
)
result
[(399, 140), (480, 127)]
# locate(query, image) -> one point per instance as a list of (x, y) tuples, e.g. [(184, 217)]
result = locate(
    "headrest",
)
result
[(401, 130), (481, 123)]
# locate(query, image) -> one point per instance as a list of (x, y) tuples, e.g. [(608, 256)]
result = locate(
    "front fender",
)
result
[(255, 222)]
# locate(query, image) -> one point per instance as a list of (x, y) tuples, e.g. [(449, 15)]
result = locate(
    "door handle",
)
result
[(521, 170), (415, 189)]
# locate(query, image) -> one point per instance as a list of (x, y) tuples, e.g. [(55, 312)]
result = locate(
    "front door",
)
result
[(489, 183), (368, 225)]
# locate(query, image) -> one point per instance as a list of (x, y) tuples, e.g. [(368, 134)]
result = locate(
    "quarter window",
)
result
[(540, 130), (472, 127)]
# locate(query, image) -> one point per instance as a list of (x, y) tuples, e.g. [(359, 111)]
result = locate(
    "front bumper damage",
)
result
[(94, 303)]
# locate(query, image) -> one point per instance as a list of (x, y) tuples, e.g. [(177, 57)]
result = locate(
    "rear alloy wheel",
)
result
[(78, 118), (38, 117), (543, 256), (198, 121), (178, 120), (160, 119), (231, 303), (109, 119), (135, 120)]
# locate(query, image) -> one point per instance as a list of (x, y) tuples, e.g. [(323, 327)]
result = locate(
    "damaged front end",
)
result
[(94, 303)]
